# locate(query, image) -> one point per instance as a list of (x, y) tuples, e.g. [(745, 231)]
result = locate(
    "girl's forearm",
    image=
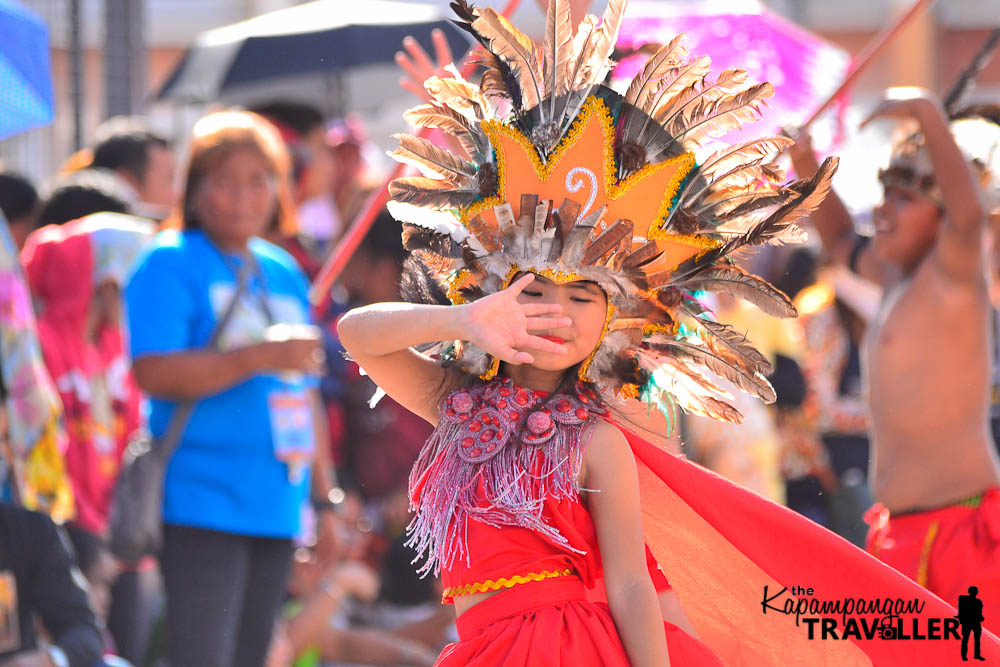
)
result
[(636, 612), (384, 328)]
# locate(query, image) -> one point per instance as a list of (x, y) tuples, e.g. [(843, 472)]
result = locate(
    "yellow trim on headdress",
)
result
[(652, 329), (629, 391), (457, 281), (582, 374)]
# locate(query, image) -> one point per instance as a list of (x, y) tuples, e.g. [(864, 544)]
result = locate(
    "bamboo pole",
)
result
[(867, 56)]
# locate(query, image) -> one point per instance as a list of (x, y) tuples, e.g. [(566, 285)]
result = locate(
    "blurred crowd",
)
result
[(111, 280)]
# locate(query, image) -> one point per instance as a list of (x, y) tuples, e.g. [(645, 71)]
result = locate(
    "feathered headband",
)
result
[(976, 131), (566, 178)]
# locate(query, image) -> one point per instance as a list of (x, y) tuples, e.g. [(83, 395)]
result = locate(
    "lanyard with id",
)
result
[(290, 409)]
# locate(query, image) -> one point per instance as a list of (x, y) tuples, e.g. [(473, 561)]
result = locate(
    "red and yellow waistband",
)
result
[(502, 583)]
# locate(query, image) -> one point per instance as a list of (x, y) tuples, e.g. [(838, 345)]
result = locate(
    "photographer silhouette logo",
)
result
[(887, 619), (970, 615)]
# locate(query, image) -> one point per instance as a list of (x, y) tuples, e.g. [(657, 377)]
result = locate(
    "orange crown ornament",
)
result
[(567, 178)]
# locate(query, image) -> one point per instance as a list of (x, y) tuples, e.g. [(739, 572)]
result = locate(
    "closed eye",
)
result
[(580, 300), (527, 293)]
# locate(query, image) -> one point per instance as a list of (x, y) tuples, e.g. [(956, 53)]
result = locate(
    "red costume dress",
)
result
[(558, 557), (945, 550), (494, 514)]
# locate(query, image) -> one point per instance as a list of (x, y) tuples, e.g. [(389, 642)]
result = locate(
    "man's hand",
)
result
[(418, 66), (905, 103)]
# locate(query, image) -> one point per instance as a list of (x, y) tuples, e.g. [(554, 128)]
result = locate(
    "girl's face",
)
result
[(237, 198), (585, 304)]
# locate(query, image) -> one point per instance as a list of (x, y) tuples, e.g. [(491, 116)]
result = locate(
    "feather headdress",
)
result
[(576, 182)]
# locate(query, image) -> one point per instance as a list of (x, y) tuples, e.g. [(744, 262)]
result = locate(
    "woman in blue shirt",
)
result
[(236, 485)]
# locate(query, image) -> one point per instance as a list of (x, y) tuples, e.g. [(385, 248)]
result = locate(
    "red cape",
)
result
[(721, 544)]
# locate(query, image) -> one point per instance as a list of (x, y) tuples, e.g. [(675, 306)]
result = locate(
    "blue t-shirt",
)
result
[(225, 474)]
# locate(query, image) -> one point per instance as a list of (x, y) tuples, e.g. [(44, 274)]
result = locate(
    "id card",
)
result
[(292, 430), (10, 631)]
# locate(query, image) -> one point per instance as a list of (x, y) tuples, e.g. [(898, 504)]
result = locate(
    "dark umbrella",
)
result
[(304, 52)]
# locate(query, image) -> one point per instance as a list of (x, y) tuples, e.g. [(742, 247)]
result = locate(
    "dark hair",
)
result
[(82, 193), (301, 118), (799, 272), (87, 546), (215, 137), (384, 241), (18, 197), (123, 143), (789, 383)]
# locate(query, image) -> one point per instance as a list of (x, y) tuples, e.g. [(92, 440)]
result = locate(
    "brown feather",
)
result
[(700, 402), (736, 282), (666, 58), (430, 192), (607, 241), (774, 227), (745, 152), (746, 202), (728, 82), (684, 82), (446, 119), (565, 217), (459, 95), (583, 43), (557, 48), (607, 35), (622, 252), (710, 118), (722, 411), (485, 233), (725, 366), (738, 344), (516, 49), (574, 83), (416, 238), (529, 202), (429, 157), (497, 79), (740, 178), (642, 255), (493, 85)]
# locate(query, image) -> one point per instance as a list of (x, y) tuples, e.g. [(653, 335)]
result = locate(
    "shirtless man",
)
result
[(926, 358)]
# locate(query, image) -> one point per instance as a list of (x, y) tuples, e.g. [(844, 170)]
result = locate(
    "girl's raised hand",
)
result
[(418, 66), (500, 324)]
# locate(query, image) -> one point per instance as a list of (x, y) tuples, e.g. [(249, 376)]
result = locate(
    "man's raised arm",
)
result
[(833, 221)]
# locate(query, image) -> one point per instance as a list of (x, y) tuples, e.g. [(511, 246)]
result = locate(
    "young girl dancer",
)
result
[(556, 267)]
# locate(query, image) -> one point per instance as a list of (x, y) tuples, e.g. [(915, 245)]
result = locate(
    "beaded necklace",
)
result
[(495, 456)]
